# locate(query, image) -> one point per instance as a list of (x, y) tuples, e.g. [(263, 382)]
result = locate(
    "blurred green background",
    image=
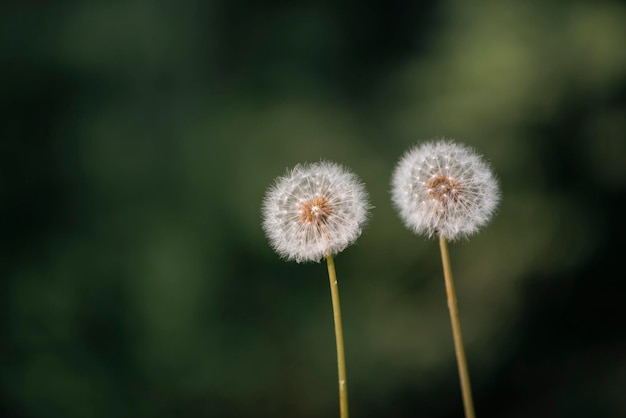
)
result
[(138, 139)]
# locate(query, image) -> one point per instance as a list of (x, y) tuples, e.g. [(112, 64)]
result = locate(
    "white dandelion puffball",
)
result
[(445, 189), (313, 211)]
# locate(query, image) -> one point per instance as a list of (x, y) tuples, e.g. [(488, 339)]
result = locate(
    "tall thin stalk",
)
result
[(341, 358), (466, 388)]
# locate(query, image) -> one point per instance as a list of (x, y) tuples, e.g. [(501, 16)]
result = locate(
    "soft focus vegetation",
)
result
[(137, 141)]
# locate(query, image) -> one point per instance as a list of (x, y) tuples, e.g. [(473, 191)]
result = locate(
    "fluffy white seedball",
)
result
[(445, 189), (313, 211)]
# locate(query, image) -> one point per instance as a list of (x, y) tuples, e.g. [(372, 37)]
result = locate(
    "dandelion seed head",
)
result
[(443, 188), (314, 210)]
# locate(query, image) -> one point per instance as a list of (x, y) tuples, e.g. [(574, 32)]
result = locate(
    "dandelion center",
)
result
[(444, 189), (316, 211)]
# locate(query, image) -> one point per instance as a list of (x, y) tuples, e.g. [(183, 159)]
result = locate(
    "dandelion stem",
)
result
[(456, 331), (341, 358)]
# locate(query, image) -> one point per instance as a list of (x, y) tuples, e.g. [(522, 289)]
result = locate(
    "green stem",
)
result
[(341, 357), (466, 389)]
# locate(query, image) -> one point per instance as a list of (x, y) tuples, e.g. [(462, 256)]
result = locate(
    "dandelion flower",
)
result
[(442, 188), (445, 189), (315, 210)]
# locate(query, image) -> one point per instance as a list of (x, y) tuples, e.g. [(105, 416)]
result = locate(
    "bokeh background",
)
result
[(137, 139)]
